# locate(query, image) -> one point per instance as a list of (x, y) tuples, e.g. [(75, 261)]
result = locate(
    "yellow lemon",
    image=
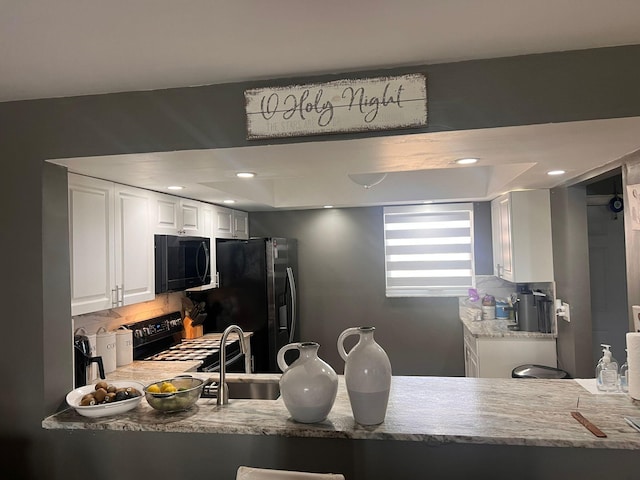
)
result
[(153, 388), (167, 387)]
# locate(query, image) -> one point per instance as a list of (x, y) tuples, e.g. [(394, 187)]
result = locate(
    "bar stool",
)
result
[(252, 473)]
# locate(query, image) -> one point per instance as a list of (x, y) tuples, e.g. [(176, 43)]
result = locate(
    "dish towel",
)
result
[(250, 473)]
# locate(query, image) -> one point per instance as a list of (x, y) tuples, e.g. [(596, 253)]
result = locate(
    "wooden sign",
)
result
[(340, 106)]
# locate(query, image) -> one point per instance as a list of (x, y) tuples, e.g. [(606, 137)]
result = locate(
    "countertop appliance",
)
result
[(534, 312), (257, 292), (83, 359), (160, 339), (181, 262)]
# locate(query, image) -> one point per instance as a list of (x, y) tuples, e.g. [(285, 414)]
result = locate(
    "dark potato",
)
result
[(108, 393), (102, 384), (88, 400)]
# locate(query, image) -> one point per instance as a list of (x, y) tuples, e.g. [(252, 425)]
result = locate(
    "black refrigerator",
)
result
[(257, 291)]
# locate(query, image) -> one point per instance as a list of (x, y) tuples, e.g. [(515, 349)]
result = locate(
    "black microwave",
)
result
[(181, 262)]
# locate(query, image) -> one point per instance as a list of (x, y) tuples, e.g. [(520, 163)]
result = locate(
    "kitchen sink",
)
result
[(257, 389)]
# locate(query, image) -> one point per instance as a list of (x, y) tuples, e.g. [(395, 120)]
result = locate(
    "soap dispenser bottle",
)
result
[(624, 374), (607, 371)]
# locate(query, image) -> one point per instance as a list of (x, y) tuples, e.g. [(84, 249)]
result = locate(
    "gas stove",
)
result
[(160, 339)]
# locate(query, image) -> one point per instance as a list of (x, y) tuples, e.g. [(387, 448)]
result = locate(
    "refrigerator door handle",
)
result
[(292, 290)]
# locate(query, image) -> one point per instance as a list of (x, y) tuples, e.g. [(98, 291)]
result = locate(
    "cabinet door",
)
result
[(497, 357), (522, 241), (470, 354), (495, 240), (470, 363), (240, 224), (189, 218), (231, 223), (134, 250), (91, 242), (176, 216), (223, 222), (165, 214), (506, 243), (531, 236)]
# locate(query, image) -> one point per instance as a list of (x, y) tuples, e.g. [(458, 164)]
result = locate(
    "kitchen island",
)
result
[(451, 426), (421, 409)]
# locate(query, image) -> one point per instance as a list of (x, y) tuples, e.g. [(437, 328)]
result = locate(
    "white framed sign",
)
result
[(341, 106)]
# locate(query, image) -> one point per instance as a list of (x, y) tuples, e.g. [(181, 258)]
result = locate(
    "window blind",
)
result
[(429, 250)]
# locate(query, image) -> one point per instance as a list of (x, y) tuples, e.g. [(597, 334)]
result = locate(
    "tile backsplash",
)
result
[(112, 318), (501, 289)]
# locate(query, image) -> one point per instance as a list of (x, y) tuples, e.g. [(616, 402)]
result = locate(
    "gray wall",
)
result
[(558, 87), (571, 270), (341, 285)]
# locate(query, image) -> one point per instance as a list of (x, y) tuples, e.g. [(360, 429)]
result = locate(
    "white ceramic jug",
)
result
[(309, 385), (367, 373)]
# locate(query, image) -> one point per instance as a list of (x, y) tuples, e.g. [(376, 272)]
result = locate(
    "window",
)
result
[(429, 250)]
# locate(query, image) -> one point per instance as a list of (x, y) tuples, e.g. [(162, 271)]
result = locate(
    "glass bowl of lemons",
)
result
[(174, 394)]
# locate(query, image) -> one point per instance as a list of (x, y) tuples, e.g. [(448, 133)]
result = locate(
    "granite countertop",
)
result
[(150, 371), (495, 328), (434, 410)]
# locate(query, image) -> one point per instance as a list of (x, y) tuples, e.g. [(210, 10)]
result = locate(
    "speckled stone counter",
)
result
[(495, 328), (142, 371), (432, 410)]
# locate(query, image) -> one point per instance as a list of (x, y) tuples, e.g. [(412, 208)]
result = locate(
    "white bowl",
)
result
[(105, 409)]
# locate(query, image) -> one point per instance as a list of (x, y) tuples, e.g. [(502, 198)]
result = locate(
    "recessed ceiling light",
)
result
[(228, 201), (328, 206), (466, 161), (245, 174), (556, 172), (174, 187)]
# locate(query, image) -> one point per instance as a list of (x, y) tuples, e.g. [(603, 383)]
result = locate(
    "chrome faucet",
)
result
[(223, 389)]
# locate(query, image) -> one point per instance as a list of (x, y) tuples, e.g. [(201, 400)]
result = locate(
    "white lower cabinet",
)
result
[(111, 245), (496, 357)]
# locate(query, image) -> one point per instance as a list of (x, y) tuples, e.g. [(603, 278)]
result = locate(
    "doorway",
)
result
[(607, 266)]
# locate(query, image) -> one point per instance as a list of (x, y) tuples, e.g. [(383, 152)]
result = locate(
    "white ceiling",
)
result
[(77, 47)]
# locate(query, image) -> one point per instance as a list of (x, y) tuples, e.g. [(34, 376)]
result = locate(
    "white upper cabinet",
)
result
[(521, 228), (91, 242), (231, 223), (135, 270), (111, 247), (177, 216)]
